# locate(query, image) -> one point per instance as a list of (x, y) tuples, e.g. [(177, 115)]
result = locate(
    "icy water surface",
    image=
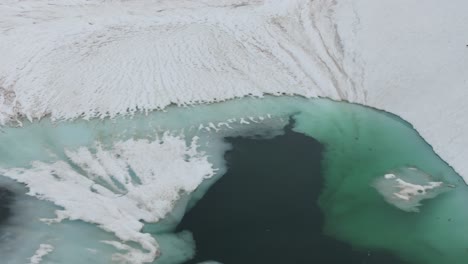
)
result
[(343, 178)]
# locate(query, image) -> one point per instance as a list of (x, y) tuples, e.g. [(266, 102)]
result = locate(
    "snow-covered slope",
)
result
[(415, 57), (117, 56), (88, 59)]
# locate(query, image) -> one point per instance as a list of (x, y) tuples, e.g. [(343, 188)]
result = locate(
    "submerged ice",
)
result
[(406, 187), (134, 178)]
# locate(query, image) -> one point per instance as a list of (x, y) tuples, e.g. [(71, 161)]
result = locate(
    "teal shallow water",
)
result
[(361, 146)]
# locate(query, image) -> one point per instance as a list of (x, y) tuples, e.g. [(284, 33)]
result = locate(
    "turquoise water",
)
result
[(361, 145)]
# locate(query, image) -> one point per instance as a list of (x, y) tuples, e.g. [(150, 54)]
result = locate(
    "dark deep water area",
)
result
[(264, 209), (6, 199)]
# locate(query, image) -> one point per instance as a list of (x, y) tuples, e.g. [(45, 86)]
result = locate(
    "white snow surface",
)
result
[(104, 58), (116, 188), (77, 58)]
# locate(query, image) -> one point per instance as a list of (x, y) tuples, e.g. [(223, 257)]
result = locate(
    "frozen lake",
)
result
[(355, 179)]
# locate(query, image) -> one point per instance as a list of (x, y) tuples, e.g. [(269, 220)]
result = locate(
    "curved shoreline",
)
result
[(364, 52)]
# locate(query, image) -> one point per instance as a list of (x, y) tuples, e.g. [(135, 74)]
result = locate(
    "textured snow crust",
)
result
[(71, 59), (115, 57)]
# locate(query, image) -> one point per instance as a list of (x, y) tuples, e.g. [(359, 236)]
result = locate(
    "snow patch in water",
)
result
[(405, 188), (118, 188), (43, 250)]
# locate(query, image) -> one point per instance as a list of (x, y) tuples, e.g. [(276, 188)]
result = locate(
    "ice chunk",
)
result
[(43, 250), (406, 187)]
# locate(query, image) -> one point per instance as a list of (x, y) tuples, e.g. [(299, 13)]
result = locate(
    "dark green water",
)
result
[(6, 199), (265, 210)]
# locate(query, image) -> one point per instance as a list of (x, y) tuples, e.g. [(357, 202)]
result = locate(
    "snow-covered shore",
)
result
[(72, 59)]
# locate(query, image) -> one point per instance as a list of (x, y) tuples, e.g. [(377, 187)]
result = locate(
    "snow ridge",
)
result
[(119, 57)]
